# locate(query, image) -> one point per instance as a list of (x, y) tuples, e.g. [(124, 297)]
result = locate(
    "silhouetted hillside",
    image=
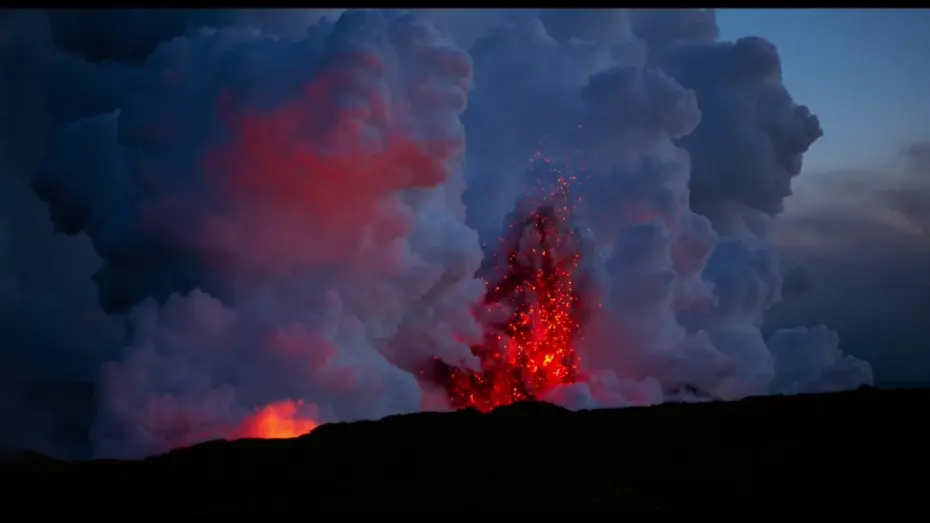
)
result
[(853, 451)]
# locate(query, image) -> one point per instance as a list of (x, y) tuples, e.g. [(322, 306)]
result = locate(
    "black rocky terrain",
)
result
[(854, 451)]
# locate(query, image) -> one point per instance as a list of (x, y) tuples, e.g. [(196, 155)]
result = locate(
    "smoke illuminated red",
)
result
[(532, 351)]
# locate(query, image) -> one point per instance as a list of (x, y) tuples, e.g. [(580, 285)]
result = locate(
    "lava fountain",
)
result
[(531, 283)]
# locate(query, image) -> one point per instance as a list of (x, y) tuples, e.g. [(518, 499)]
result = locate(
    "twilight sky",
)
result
[(863, 72)]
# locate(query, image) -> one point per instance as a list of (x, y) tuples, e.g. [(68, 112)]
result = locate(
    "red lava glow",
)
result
[(277, 421), (307, 164), (533, 350)]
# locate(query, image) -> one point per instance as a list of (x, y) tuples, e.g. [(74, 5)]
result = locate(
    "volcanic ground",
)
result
[(864, 450)]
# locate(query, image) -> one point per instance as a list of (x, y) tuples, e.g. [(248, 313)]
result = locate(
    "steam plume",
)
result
[(297, 222)]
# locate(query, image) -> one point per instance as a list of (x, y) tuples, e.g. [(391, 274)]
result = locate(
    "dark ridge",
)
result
[(849, 451)]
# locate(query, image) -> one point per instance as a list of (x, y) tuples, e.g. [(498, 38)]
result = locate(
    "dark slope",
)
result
[(862, 450)]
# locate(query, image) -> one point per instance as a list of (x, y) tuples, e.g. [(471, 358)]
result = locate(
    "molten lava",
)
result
[(532, 351), (277, 421)]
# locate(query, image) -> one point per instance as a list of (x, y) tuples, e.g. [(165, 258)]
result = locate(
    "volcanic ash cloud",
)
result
[(304, 196), (291, 226)]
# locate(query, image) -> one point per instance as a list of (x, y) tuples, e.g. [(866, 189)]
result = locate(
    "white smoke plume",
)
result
[(294, 218)]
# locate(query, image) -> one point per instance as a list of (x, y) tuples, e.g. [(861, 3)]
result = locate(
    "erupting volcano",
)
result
[(281, 226), (532, 282)]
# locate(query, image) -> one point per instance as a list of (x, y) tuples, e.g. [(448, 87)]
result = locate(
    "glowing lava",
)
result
[(277, 421), (533, 350)]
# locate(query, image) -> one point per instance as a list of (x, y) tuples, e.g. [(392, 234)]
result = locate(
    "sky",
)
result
[(210, 216), (864, 72)]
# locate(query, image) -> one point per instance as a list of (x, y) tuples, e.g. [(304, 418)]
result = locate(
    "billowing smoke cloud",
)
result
[(688, 269), (54, 336), (312, 186), (296, 221)]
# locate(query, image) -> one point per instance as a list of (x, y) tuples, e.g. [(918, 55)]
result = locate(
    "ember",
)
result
[(533, 350)]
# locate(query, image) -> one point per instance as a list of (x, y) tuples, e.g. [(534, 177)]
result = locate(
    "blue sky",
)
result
[(864, 72)]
